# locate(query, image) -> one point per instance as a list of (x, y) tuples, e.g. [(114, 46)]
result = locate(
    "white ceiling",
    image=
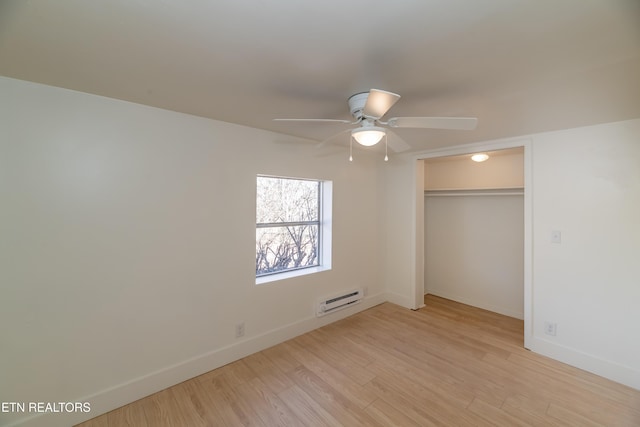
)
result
[(520, 66)]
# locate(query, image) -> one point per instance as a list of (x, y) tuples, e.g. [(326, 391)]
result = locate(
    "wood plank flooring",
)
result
[(447, 364)]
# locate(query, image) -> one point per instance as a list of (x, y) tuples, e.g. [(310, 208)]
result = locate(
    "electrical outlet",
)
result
[(240, 330), (550, 328)]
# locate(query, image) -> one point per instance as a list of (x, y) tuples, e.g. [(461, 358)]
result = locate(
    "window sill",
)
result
[(290, 274)]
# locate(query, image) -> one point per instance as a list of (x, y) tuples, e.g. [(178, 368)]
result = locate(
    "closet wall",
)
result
[(474, 231)]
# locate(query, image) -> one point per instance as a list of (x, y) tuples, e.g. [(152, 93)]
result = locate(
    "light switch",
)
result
[(556, 236)]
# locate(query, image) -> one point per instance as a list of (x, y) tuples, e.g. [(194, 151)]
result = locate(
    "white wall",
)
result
[(399, 208), (127, 246), (474, 250), (586, 184)]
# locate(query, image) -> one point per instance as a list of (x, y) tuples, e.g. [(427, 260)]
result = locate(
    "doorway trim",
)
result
[(417, 247)]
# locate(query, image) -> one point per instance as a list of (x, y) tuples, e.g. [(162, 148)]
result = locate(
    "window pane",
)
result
[(286, 200), (283, 248)]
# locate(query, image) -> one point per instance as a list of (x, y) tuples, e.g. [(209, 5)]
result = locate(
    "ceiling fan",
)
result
[(368, 108)]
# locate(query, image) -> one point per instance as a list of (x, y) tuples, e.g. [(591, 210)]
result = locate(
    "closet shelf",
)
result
[(516, 191)]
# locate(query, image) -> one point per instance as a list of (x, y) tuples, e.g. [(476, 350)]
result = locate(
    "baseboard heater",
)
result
[(339, 302)]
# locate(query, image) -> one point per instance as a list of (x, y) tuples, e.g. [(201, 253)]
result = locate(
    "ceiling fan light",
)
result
[(368, 136), (479, 157)]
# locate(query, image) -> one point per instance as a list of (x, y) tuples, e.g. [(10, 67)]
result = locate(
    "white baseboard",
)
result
[(604, 368), (122, 394), (479, 304), (398, 299)]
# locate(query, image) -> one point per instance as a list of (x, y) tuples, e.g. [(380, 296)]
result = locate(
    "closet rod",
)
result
[(472, 193)]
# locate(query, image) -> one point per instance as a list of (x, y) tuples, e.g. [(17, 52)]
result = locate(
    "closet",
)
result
[(474, 230)]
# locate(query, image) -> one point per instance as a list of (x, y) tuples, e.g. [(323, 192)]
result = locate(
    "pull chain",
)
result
[(351, 149), (386, 146)]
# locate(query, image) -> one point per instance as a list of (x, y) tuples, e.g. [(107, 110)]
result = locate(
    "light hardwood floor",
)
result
[(447, 364)]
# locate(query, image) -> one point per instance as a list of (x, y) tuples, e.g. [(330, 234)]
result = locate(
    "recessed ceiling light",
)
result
[(479, 157)]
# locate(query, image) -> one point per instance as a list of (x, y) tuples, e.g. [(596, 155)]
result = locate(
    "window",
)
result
[(291, 225)]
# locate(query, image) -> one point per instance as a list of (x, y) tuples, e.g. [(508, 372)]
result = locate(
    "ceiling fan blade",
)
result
[(396, 144), (454, 123), (314, 120), (378, 103), (331, 139)]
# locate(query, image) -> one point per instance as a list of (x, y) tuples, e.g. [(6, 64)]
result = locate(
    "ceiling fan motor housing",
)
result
[(357, 103)]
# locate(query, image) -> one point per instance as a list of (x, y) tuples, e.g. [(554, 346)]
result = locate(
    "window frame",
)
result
[(323, 223)]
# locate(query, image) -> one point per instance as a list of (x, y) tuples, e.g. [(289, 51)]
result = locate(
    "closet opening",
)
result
[(474, 230)]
